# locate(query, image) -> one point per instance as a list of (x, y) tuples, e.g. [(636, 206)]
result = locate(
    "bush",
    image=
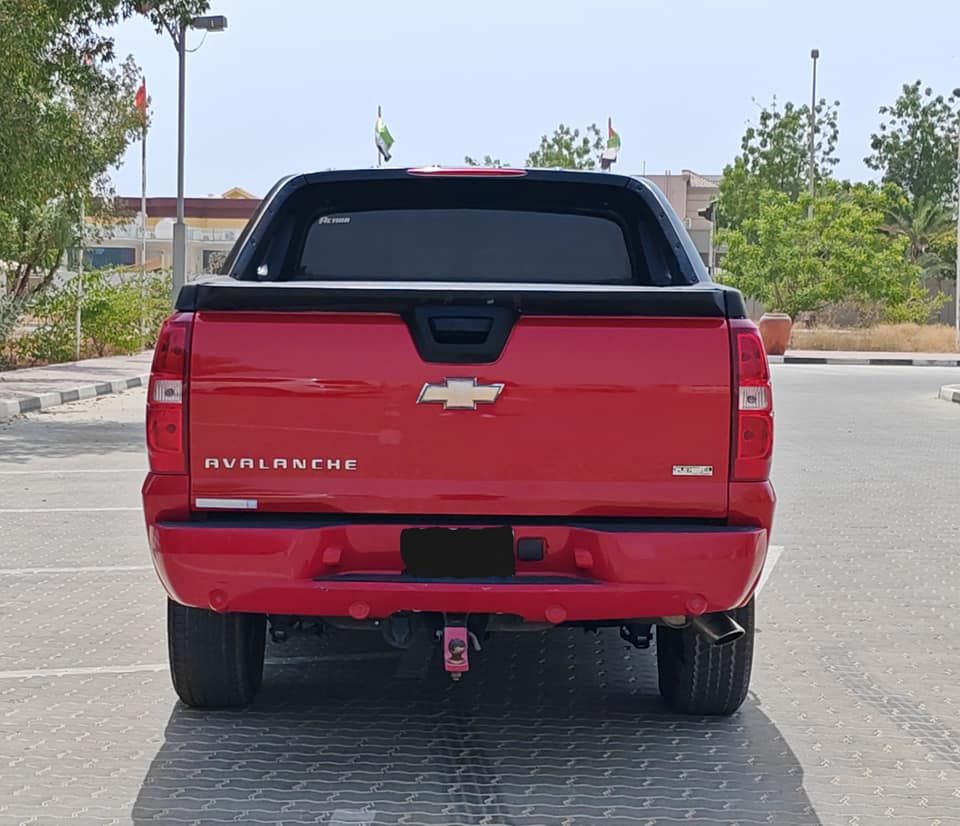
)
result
[(791, 262), (11, 309), (119, 314)]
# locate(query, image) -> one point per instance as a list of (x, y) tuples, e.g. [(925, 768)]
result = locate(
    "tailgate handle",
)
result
[(460, 329), (460, 334)]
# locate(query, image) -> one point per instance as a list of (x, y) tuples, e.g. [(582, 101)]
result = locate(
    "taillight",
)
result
[(752, 448), (166, 396)]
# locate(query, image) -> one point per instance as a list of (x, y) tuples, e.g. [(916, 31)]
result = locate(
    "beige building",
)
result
[(690, 195), (213, 225)]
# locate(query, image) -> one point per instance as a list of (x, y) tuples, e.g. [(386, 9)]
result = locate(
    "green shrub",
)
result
[(11, 309), (120, 313), (794, 262)]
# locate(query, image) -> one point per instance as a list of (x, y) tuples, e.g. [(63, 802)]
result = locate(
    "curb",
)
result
[(41, 401), (885, 362), (950, 393)]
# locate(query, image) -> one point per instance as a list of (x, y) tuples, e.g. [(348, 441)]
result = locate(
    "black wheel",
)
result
[(216, 660), (697, 677)]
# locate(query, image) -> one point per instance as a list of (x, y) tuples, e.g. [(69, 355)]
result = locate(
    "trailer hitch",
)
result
[(457, 640)]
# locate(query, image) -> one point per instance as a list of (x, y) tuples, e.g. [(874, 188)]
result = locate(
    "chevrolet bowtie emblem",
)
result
[(459, 394)]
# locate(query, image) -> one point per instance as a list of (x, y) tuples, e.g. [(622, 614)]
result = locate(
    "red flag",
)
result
[(140, 101)]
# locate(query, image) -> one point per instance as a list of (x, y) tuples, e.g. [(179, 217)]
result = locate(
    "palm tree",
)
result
[(923, 223)]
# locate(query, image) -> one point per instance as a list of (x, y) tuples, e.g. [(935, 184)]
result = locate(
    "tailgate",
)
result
[(577, 415)]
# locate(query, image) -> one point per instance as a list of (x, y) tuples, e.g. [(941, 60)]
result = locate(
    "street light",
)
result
[(814, 54), (209, 23)]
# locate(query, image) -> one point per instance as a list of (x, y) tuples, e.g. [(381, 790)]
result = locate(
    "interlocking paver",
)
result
[(853, 718)]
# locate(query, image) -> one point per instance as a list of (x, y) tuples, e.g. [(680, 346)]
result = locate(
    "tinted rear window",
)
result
[(465, 245), (390, 226)]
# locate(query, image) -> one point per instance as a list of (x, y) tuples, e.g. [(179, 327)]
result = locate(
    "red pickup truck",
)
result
[(448, 403)]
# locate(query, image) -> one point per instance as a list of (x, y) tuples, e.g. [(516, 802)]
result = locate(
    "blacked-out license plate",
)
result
[(461, 553)]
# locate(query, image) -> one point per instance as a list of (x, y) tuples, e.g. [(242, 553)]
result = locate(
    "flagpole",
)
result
[(608, 157), (379, 116), (609, 165), (143, 218)]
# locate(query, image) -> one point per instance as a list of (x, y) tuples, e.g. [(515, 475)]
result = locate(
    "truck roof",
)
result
[(558, 174)]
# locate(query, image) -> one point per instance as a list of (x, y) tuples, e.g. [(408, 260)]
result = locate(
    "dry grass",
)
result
[(892, 338)]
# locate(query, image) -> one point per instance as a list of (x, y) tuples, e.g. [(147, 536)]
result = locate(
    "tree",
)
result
[(487, 161), (35, 236), (54, 58), (65, 139), (775, 155), (928, 228), (793, 263), (567, 148), (916, 147), (66, 105)]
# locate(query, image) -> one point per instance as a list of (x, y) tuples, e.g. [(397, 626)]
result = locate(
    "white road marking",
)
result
[(82, 671), (774, 552), (82, 569), (66, 510), (353, 817), (83, 470), (142, 668)]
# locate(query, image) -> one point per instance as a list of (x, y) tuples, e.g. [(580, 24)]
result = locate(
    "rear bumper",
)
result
[(592, 570)]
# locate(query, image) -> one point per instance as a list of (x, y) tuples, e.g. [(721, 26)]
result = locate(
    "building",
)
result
[(691, 195), (215, 222)]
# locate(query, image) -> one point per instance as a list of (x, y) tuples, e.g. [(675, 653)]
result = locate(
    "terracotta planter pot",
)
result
[(775, 332)]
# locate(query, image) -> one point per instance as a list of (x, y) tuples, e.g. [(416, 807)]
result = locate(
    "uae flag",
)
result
[(609, 155), (382, 136)]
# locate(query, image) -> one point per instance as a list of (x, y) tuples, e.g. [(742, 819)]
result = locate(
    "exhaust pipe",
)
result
[(718, 629)]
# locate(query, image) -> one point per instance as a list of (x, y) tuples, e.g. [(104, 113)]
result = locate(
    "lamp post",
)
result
[(956, 289), (209, 23), (814, 54)]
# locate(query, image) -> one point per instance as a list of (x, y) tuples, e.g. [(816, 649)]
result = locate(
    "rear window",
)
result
[(401, 228), (465, 245)]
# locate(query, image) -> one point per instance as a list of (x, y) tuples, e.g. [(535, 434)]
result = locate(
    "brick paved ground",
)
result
[(854, 717)]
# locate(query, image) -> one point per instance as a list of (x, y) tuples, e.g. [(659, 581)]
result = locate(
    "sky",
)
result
[(294, 85)]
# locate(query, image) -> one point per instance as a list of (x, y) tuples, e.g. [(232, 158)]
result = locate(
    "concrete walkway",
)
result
[(37, 387)]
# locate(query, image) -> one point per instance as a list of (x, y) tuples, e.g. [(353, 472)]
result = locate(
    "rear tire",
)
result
[(697, 677), (216, 660)]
